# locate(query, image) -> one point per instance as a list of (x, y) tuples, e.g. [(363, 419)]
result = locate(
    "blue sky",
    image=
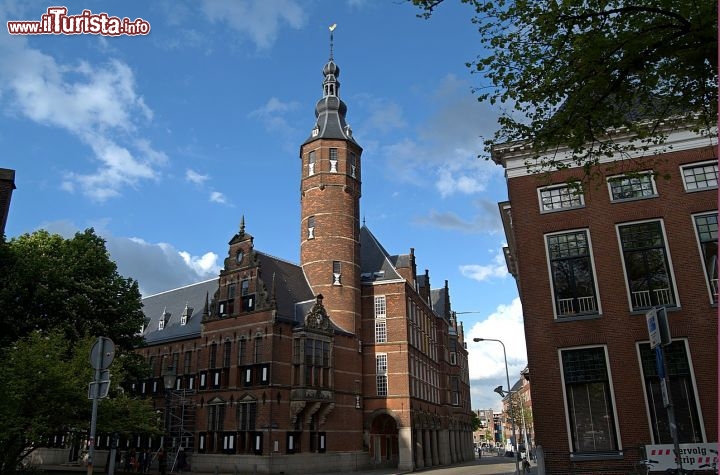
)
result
[(162, 142)]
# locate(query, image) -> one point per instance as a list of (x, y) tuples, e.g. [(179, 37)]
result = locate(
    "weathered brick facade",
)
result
[(614, 316)]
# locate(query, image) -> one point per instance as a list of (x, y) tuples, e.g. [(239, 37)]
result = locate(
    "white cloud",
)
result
[(273, 112), (194, 177), (156, 266), (205, 264), (217, 197), (496, 269), (98, 104), (486, 361), (258, 20), (485, 220)]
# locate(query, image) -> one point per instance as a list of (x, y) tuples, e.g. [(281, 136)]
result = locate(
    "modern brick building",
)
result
[(589, 266), (346, 361)]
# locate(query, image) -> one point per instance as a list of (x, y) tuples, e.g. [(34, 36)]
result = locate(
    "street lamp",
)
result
[(499, 391), (169, 377)]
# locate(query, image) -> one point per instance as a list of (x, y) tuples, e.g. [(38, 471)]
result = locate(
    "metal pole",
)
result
[(93, 418), (512, 413)]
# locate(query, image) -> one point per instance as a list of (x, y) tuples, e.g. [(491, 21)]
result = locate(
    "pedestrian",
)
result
[(162, 460), (145, 460), (181, 459), (526, 466)]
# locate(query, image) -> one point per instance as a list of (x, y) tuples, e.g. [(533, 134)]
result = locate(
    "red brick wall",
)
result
[(617, 328)]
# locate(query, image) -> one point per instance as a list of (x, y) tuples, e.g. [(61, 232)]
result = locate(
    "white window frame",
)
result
[(671, 269), (691, 166), (611, 387), (380, 306), (640, 175), (337, 273), (311, 162), (333, 160), (381, 374), (311, 227), (380, 330), (696, 394), (566, 195), (712, 286), (598, 304)]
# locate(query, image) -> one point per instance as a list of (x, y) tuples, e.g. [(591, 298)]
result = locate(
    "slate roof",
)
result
[(375, 262), (174, 302), (437, 298), (293, 298), (291, 286)]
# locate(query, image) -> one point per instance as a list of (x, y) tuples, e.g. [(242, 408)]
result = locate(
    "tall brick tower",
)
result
[(330, 206)]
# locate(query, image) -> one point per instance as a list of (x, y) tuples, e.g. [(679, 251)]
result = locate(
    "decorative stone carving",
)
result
[(317, 317)]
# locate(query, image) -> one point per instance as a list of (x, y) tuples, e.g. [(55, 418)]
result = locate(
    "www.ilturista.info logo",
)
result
[(57, 22)]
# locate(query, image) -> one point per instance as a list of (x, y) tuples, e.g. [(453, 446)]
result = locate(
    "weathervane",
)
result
[(332, 28)]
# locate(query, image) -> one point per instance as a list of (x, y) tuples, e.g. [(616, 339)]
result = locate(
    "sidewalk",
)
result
[(487, 465)]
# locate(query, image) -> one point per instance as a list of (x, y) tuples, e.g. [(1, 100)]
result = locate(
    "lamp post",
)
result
[(169, 377), (512, 416)]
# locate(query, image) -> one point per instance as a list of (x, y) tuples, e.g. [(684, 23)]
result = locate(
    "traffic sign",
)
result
[(102, 353), (98, 389)]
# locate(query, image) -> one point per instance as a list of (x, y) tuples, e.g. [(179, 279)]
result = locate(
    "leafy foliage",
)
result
[(47, 282), (57, 296), (601, 77)]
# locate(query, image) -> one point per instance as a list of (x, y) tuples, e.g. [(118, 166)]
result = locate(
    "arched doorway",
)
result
[(384, 440)]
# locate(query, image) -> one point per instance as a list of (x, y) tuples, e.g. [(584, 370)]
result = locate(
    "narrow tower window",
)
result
[(333, 160), (311, 163), (352, 164), (311, 227), (336, 273)]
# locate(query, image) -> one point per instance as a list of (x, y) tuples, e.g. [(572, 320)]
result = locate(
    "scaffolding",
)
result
[(182, 420)]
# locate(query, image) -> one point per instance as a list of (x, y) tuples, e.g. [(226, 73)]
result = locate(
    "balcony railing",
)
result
[(584, 305), (642, 298)]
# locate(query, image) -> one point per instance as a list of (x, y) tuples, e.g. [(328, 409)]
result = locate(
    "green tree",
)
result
[(476, 422), (57, 296), (48, 282), (601, 77), (44, 392)]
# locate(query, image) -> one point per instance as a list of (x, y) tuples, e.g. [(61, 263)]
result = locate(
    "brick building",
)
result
[(346, 361), (588, 267), (7, 185)]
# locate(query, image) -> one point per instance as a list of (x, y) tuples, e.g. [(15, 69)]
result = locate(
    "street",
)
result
[(488, 465)]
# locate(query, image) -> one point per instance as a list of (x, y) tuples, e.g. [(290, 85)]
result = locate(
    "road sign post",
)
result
[(101, 356)]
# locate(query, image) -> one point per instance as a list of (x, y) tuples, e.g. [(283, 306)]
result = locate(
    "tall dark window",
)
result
[(227, 353), (246, 415), (312, 362), (572, 273), (213, 356), (352, 164), (680, 388), (706, 226), (216, 417), (259, 349), (242, 349), (589, 402), (646, 265)]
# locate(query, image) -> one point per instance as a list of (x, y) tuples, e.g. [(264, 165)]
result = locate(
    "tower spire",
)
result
[(332, 28)]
